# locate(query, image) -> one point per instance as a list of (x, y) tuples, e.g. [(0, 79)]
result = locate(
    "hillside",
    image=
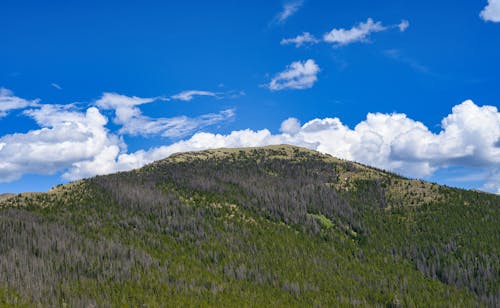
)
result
[(5, 196), (278, 225)]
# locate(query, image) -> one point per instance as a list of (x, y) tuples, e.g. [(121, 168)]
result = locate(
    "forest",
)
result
[(278, 225)]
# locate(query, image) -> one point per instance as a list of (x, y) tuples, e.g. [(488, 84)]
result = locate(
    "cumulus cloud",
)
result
[(288, 10), (189, 95), (298, 75), (124, 106), (8, 102), (358, 33), (303, 39), (78, 144), (290, 126), (469, 138), (66, 136), (492, 11), (134, 123)]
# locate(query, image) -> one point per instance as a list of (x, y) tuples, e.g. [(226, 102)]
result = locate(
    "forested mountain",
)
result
[(277, 225)]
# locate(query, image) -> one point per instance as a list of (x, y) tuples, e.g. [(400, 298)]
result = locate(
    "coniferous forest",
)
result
[(279, 225)]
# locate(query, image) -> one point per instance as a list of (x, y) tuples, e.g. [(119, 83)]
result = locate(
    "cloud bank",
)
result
[(470, 137), (78, 143)]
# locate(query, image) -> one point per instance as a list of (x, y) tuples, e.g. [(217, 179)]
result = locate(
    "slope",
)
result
[(278, 225)]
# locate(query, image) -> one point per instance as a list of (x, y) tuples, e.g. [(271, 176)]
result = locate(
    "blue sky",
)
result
[(101, 86)]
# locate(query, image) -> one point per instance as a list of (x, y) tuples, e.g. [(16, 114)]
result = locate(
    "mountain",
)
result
[(278, 225), (5, 196)]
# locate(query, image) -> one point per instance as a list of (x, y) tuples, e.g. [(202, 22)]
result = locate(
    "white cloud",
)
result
[(124, 106), (66, 136), (493, 181), (8, 102), (100, 164), (358, 33), (189, 95), (56, 86), (469, 138), (176, 127), (78, 144), (304, 38), (234, 94), (492, 11), (288, 10), (403, 25), (298, 75), (340, 37), (290, 126), (133, 122)]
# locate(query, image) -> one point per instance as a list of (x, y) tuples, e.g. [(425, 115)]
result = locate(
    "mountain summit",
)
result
[(277, 225)]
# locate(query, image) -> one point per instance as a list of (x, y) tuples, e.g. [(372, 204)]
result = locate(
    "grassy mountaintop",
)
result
[(5, 196), (277, 225)]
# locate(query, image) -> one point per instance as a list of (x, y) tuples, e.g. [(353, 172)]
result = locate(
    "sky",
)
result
[(96, 87)]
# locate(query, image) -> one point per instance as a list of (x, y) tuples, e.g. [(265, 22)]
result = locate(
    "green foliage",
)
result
[(324, 222), (277, 226)]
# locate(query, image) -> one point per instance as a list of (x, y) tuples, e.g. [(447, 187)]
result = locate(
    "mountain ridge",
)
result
[(277, 225)]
